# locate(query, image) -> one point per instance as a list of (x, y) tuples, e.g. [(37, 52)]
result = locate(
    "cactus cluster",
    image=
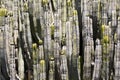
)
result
[(59, 40)]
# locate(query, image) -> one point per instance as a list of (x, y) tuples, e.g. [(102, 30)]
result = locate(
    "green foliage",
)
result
[(106, 39), (3, 11), (69, 3), (52, 29), (40, 42), (44, 2)]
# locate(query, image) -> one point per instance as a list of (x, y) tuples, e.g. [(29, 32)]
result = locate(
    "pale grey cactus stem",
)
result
[(76, 25), (38, 8), (12, 64), (87, 71), (41, 52), (20, 56), (47, 37), (87, 27), (110, 7), (12, 52), (74, 41), (88, 35), (4, 55), (69, 11), (40, 57), (104, 18), (79, 67), (112, 13), (58, 21), (42, 70), (63, 17), (85, 10), (7, 45), (35, 64), (57, 54), (15, 14), (106, 54), (57, 27), (114, 18), (60, 31), (20, 64), (87, 59), (47, 33), (63, 65), (52, 69), (98, 61), (117, 61), (74, 50), (68, 40), (118, 30), (59, 8), (27, 31), (51, 17)]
